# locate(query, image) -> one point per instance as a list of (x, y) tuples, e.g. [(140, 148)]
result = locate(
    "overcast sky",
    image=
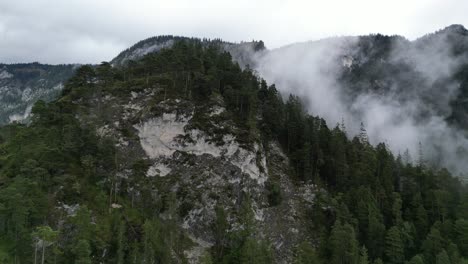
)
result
[(91, 31)]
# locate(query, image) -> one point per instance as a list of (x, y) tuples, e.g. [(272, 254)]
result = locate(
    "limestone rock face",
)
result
[(195, 159), (21, 85)]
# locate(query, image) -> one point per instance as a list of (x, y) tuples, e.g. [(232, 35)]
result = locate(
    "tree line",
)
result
[(373, 207)]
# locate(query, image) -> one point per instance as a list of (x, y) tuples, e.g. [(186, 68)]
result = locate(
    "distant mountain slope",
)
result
[(396, 87), (21, 85), (243, 52), (144, 47), (184, 157), (430, 71), (409, 94)]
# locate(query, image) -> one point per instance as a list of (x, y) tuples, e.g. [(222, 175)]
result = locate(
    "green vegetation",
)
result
[(26, 83), (375, 209)]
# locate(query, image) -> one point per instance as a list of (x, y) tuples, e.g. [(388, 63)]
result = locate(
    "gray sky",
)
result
[(91, 31)]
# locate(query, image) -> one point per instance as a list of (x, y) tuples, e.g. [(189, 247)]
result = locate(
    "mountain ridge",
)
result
[(24, 84), (185, 157), (362, 67)]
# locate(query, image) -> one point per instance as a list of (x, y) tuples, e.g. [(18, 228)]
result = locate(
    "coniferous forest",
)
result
[(61, 200)]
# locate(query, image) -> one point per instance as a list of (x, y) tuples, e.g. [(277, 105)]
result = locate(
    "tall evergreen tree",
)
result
[(82, 252), (432, 245), (394, 248), (343, 243), (461, 233)]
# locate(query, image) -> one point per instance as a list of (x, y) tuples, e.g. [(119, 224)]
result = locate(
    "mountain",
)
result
[(142, 48), (243, 52), (376, 63), (182, 156), (427, 68), (409, 94), (21, 85), (172, 154)]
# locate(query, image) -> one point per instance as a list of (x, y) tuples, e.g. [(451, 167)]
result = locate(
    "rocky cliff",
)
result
[(21, 85)]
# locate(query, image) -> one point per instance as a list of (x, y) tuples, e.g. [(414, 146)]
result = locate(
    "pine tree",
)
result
[(462, 210), (340, 164), (454, 253), (134, 257), (421, 161), (407, 157), (121, 241), (375, 239), (421, 221), (362, 214), (306, 254), (206, 258), (396, 209), (342, 126), (344, 246), (378, 261), (363, 138), (432, 245), (461, 234), (156, 244), (220, 228), (442, 258), (408, 236), (44, 236), (82, 221), (418, 259), (363, 257), (82, 251), (394, 248), (253, 251)]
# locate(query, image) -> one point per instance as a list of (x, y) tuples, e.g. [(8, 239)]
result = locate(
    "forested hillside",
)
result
[(101, 176), (21, 85), (406, 92)]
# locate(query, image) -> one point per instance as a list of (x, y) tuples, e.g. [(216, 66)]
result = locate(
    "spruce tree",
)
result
[(432, 245), (461, 234), (82, 251), (394, 248), (442, 258), (418, 259), (363, 257), (343, 243)]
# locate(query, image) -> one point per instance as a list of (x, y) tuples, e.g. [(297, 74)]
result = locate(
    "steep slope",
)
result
[(195, 152), (163, 146), (184, 157), (427, 71), (140, 49), (421, 83), (243, 53), (194, 158), (21, 85), (405, 92)]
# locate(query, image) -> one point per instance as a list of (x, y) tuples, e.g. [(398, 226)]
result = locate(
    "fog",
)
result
[(400, 115), (90, 31)]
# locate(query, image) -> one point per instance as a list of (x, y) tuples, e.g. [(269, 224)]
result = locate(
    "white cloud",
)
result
[(90, 31)]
